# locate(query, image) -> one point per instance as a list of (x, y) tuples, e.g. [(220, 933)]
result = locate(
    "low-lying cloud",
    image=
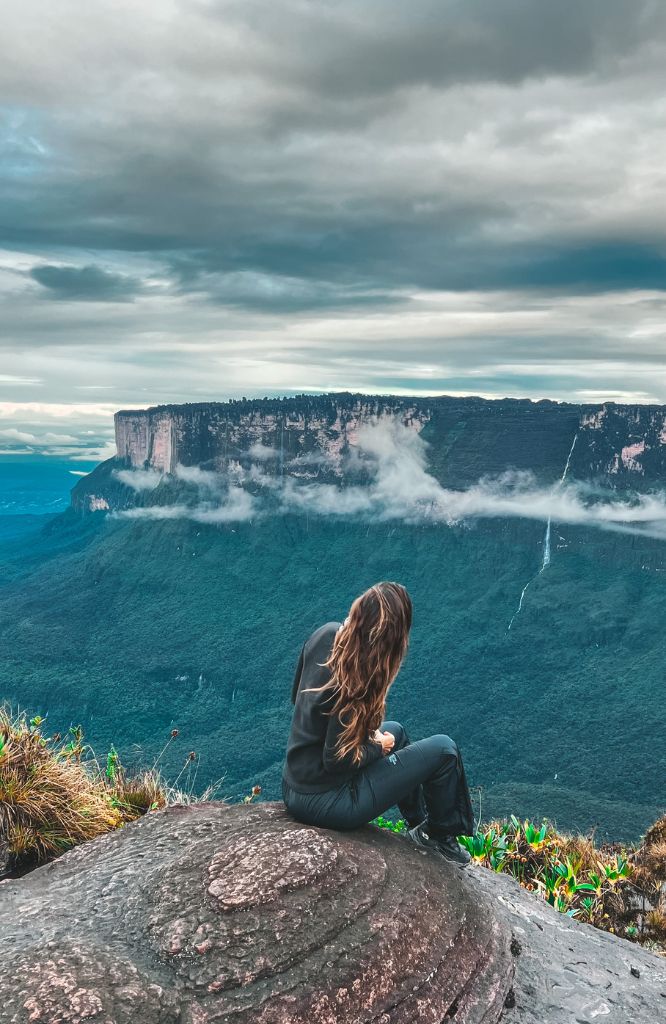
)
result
[(239, 506), (139, 479), (25, 437), (399, 487), (262, 452)]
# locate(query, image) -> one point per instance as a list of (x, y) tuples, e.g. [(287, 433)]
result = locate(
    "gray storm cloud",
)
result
[(399, 488), (220, 198)]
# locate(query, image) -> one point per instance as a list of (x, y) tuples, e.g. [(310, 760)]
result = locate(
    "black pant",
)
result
[(426, 780)]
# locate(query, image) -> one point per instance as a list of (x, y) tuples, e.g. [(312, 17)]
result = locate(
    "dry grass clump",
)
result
[(55, 795), (650, 862), (49, 799), (649, 879), (134, 796)]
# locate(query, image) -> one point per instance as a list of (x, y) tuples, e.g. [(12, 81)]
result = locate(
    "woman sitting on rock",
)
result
[(345, 765)]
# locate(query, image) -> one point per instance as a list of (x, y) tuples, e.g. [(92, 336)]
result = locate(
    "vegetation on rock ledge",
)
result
[(619, 889), (55, 795)]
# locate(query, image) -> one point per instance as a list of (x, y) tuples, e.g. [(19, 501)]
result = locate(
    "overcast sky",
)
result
[(200, 200)]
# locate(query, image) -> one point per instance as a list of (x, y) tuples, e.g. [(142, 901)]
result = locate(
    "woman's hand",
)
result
[(387, 740)]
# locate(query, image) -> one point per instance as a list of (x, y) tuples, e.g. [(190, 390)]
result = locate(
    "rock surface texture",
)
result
[(571, 973), (212, 913), (238, 914)]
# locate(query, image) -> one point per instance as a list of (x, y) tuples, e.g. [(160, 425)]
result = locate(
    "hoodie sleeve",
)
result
[(297, 677), (370, 751)]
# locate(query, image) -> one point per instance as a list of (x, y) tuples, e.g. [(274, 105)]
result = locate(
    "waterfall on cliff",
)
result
[(545, 561)]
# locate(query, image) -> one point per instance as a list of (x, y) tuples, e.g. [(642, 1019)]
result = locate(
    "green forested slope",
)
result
[(136, 628)]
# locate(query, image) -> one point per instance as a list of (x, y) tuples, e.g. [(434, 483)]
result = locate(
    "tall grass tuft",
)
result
[(54, 794), (50, 800)]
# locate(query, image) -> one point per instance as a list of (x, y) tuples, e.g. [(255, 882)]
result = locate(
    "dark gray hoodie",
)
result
[(312, 765)]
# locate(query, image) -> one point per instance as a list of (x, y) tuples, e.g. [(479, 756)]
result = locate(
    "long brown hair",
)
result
[(365, 659)]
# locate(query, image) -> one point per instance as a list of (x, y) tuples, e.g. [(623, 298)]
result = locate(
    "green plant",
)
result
[(391, 826), (536, 838), (74, 747), (560, 885), (617, 870), (490, 846), (586, 909), (111, 764)]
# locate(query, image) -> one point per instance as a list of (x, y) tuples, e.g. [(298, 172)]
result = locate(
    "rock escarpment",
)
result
[(310, 437), (312, 429), (217, 914)]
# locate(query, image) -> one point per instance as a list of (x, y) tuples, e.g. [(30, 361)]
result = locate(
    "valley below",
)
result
[(164, 600)]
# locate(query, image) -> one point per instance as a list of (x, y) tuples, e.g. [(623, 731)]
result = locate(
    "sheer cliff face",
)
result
[(135, 434), (312, 436), (278, 431)]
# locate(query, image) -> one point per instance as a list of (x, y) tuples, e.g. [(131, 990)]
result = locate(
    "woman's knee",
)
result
[(446, 747)]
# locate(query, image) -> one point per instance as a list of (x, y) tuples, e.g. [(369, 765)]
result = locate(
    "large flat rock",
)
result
[(212, 913)]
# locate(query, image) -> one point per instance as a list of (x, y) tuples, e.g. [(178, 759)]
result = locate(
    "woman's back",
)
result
[(312, 765)]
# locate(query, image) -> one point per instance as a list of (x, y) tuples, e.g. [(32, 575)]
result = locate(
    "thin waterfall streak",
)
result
[(520, 603), (566, 467), (546, 547), (545, 561), (544, 565)]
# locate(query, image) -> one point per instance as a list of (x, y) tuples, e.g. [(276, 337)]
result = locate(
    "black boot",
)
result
[(447, 847)]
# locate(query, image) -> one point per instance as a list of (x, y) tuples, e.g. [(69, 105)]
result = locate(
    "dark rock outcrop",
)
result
[(234, 914)]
